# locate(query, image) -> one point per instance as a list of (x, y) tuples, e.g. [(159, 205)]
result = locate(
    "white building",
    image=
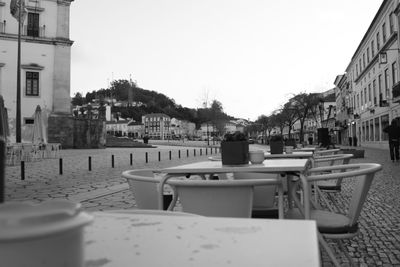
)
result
[(45, 66), (373, 77), (157, 126)]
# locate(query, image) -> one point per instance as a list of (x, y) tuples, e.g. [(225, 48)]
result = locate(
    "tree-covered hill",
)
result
[(134, 102)]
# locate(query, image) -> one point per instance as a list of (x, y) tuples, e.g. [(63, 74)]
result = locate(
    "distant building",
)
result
[(135, 129), (157, 126), (45, 67)]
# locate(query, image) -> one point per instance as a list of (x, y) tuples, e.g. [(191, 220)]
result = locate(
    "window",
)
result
[(391, 26), (394, 73), (387, 83), (359, 61), (367, 131), (380, 84), (365, 96), (369, 94), (378, 44), (32, 83), (384, 33), (372, 49), (363, 60), (368, 55), (33, 25), (374, 91), (362, 98)]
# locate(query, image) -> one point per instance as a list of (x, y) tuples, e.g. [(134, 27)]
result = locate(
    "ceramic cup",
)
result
[(256, 156), (49, 234)]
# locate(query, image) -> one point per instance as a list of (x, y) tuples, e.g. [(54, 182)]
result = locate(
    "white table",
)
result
[(293, 155), (118, 239), (283, 166)]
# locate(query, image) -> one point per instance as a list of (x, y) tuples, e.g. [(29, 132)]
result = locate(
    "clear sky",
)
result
[(251, 55)]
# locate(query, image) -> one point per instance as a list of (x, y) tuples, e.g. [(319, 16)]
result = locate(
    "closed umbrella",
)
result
[(39, 130), (3, 136)]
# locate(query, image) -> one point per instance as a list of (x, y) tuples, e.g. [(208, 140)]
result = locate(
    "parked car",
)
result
[(251, 141)]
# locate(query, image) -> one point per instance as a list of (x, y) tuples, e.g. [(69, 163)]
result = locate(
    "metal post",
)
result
[(187, 152), (22, 170), (147, 157), (131, 159), (170, 155), (2, 169), (179, 154), (159, 156), (194, 152), (112, 161), (61, 166), (18, 111), (90, 163)]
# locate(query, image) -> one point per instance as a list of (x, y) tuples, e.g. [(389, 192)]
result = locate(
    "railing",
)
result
[(38, 32)]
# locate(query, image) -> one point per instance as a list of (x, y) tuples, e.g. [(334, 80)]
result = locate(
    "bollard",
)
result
[(179, 154), (201, 151), (90, 163), (194, 152), (131, 159), (206, 151), (112, 161), (61, 166), (22, 170), (170, 155), (159, 156), (147, 157), (211, 151), (187, 153)]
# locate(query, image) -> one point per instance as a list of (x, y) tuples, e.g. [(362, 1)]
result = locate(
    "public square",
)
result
[(103, 188)]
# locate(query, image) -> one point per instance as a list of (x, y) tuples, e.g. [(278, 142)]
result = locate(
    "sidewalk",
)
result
[(378, 243)]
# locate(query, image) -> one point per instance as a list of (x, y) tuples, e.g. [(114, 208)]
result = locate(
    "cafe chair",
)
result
[(144, 186), (215, 198), (330, 160), (263, 196), (326, 152), (332, 224)]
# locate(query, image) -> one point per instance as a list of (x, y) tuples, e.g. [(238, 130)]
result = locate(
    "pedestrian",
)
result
[(393, 130), (310, 140)]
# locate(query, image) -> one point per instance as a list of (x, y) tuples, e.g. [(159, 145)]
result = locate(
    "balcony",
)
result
[(35, 32), (396, 92), (350, 111)]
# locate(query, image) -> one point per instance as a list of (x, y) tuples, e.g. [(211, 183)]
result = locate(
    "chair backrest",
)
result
[(330, 160), (263, 196), (364, 174), (143, 184), (327, 152), (217, 198)]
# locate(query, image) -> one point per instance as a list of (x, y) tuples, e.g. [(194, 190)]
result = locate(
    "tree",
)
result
[(289, 116), (264, 122), (78, 100), (306, 107)]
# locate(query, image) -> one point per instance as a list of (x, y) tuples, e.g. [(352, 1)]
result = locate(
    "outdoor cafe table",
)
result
[(293, 155), (279, 166), (123, 239)]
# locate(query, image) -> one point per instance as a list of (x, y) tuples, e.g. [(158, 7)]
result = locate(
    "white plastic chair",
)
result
[(332, 224), (144, 185), (325, 152), (217, 198), (263, 196)]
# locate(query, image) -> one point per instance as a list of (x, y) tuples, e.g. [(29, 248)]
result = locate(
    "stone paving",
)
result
[(103, 188)]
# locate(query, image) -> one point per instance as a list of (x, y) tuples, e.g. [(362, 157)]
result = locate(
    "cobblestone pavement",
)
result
[(103, 188)]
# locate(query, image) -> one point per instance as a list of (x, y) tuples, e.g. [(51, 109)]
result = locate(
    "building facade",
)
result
[(45, 66), (373, 77), (157, 126)]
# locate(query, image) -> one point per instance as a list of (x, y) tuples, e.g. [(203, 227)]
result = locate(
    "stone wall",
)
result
[(89, 133), (73, 132)]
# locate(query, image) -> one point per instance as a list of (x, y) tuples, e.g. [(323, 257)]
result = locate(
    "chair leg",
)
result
[(328, 250)]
